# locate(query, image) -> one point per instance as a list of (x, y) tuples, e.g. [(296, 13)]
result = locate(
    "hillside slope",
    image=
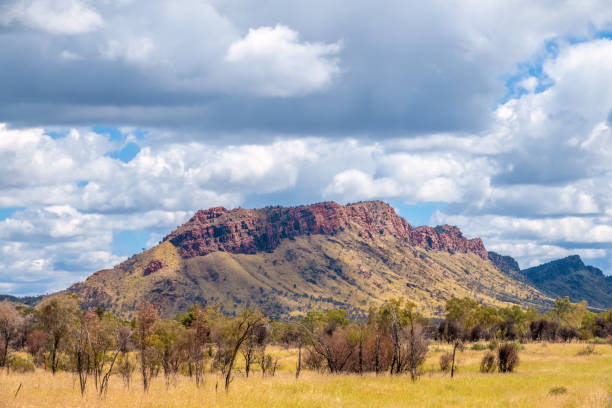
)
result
[(287, 260), (571, 277)]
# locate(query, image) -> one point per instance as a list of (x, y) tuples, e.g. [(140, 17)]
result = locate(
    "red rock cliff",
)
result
[(249, 231)]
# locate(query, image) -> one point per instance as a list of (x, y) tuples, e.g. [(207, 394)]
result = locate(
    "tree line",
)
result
[(394, 338)]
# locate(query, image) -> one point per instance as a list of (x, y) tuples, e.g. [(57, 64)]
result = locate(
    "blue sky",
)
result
[(119, 120)]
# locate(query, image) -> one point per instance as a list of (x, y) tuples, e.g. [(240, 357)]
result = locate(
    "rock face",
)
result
[(571, 277), (506, 264), (242, 231)]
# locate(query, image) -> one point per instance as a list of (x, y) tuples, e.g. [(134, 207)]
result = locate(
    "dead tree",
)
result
[(240, 329), (147, 316), (123, 344)]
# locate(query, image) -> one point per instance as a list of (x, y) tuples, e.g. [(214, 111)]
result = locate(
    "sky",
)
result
[(120, 118)]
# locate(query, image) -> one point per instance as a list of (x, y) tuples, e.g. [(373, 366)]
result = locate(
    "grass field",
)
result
[(587, 380)]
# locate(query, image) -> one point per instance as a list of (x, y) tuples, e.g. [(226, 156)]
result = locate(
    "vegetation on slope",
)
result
[(341, 270), (571, 277)]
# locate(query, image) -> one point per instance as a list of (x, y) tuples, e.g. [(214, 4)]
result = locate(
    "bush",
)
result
[(567, 334), (507, 357), (446, 360), (479, 347), (587, 351), (478, 333), (21, 362), (557, 390), (598, 340), (493, 345), (487, 365)]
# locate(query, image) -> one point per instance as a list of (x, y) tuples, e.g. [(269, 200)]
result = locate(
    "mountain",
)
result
[(506, 264), (22, 300), (571, 277), (287, 260)]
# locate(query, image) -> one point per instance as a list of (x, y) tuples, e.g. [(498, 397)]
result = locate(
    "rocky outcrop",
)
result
[(447, 238), (507, 265), (248, 231), (152, 267)]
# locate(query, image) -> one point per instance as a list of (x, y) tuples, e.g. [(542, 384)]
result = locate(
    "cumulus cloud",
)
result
[(65, 17), (272, 61), (485, 107)]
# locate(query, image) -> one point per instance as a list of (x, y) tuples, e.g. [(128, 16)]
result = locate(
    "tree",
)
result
[(145, 321), (101, 335), (81, 354), (463, 311), (198, 338), (406, 331), (238, 330), (254, 341), (417, 346), (166, 337), (58, 315), (327, 335), (293, 336), (457, 345), (123, 345), (11, 322)]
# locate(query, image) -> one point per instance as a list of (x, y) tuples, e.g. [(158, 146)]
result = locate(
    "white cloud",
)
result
[(133, 50), (271, 61), (67, 17)]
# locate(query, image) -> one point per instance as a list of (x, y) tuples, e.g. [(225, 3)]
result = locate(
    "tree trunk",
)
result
[(54, 355), (377, 355), (5, 352), (360, 354), (143, 367), (453, 364), (106, 378), (299, 362)]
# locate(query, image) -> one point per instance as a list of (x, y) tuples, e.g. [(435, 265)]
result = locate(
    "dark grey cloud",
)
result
[(406, 67)]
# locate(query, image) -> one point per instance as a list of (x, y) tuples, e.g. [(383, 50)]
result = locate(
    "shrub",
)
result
[(487, 365), (21, 362), (567, 334), (587, 351), (446, 360), (493, 345), (557, 390), (598, 340), (507, 357), (478, 333), (479, 347)]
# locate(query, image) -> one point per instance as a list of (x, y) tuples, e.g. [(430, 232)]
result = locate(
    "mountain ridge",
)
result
[(248, 231), (570, 277), (285, 260)]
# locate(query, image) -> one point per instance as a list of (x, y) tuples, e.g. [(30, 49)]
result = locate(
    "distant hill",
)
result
[(287, 260), (571, 277), (25, 300)]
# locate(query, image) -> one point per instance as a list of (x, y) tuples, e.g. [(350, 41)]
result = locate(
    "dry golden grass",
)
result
[(588, 380)]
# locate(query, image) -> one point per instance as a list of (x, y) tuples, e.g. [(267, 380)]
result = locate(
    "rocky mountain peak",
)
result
[(249, 231)]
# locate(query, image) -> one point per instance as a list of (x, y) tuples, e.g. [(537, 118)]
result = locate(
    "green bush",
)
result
[(479, 347), (21, 362), (598, 340)]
